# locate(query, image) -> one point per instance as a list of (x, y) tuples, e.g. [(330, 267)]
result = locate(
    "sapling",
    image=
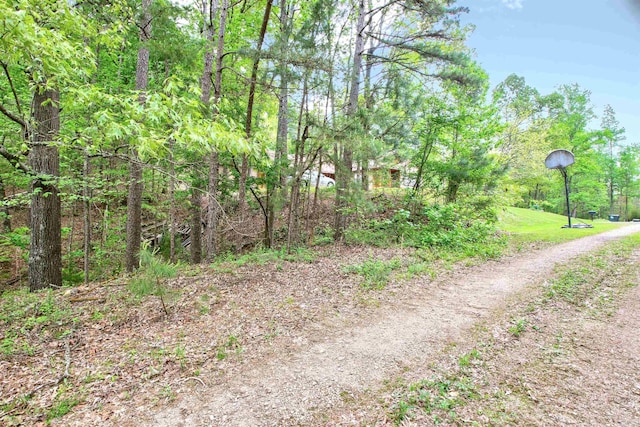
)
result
[(151, 277)]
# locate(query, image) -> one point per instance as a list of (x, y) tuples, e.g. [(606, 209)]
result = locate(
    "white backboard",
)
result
[(558, 159)]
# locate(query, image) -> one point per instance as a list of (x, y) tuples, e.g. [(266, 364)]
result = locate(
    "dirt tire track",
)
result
[(288, 391), (597, 383)]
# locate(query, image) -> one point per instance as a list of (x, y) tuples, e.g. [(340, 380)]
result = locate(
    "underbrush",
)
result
[(375, 273), (23, 314), (465, 232), (440, 234), (230, 262)]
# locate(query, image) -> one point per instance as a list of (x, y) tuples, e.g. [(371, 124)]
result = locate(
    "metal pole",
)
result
[(566, 191)]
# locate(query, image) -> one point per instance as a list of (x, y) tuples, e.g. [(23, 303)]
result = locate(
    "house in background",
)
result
[(378, 176), (395, 175), (392, 174)]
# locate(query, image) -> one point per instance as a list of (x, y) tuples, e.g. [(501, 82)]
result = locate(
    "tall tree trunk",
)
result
[(172, 203), (277, 179), (210, 11), (213, 205), (297, 202), (426, 152), (196, 225), (369, 103), (611, 195), (72, 217), (242, 185), (244, 170), (136, 185), (4, 210), (626, 207), (86, 206), (87, 193), (195, 232), (293, 235), (344, 169), (282, 137), (313, 214), (452, 191), (45, 251), (213, 208), (134, 213)]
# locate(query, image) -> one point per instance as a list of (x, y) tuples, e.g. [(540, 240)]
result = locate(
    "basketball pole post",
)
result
[(566, 193), (560, 159)]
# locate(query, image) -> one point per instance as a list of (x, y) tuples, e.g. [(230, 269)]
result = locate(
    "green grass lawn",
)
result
[(527, 225)]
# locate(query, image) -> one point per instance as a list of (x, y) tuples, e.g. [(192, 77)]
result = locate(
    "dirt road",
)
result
[(291, 389)]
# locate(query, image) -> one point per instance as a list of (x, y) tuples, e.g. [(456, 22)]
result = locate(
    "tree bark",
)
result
[(86, 205), (172, 204), (206, 84), (45, 251), (6, 218), (207, 73), (136, 185), (293, 234), (213, 205), (277, 179), (369, 103), (345, 166), (134, 213), (244, 170), (426, 152), (213, 209), (313, 215), (196, 226)]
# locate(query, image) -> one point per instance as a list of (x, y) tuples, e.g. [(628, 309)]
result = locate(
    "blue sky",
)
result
[(595, 43)]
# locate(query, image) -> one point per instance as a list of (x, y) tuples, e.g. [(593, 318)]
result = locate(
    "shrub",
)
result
[(470, 230), (376, 273)]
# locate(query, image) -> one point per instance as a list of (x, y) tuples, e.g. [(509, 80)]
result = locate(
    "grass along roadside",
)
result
[(527, 226), (501, 378)]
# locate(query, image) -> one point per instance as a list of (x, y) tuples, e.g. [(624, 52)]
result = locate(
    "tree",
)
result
[(206, 81), (45, 250), (344, 164), (276, 175), (423, 39), (250, 103), (351, 82), (612, 134), (429, 130), (213, 205), (136, 185), (4, 209), (523, 142), (571, 114), (466, 141), (43, 49), (307, 58), (628, 171)]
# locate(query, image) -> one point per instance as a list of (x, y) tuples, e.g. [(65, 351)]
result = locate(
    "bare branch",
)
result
[(13, 88), (13, 117), (384, 6)]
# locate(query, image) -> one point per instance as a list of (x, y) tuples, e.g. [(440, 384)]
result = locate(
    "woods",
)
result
[(124, 121), (313, 212)]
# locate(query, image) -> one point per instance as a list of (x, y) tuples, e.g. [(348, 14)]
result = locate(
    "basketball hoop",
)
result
[(560, 159)]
